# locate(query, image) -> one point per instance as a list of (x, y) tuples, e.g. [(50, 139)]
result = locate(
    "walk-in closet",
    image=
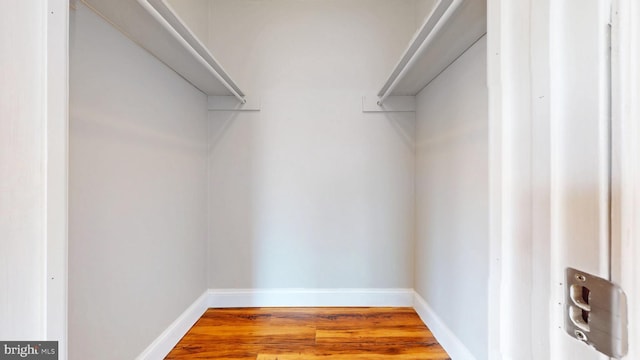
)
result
[(467, 161)]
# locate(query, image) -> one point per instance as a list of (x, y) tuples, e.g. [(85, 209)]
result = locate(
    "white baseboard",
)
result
[(449, 341), (221, 298), (164, 343)]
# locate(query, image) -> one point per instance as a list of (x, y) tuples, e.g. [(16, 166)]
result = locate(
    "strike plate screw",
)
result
[(580, 335)]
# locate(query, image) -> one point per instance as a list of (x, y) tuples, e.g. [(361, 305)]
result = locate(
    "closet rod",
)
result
[(165, 15), (417, 45)]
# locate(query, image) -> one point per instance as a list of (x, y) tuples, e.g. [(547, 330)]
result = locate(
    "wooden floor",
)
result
[(309, 334)]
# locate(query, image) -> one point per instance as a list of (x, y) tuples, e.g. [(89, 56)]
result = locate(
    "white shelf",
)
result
[(447, 32), (154, 26)]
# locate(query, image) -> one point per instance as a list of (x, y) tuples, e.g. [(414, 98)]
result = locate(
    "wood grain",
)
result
[(309, 334)]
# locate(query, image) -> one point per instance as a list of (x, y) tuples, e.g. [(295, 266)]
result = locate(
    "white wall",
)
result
[(310, 192), (452, 188), (138, 150), (22, 170)]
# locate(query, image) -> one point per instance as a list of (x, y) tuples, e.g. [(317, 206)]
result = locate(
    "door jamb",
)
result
[(626, 160), (510, 116), (56, 154), (511, 272)]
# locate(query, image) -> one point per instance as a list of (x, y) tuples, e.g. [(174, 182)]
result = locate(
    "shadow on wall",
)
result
[(405, 127)]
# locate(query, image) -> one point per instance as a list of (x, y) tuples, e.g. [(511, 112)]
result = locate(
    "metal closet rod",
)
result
[(165, 15), (417, 46)]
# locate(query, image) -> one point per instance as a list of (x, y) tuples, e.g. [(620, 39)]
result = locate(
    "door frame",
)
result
[(56, 73), (514, 272), (521, 189)]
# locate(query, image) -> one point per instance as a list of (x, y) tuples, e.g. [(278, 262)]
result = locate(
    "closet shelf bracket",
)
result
[(392, 104), (230, 103)]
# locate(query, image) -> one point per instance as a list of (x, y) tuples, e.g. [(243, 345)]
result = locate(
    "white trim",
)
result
[(494, 85), (224, 298), (447, 339), (626, 171), (164, 343), (57, 135), (511, 268)]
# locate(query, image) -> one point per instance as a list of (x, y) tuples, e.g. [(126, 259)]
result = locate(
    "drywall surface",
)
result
[(452, 187), (311, 192), (138, 160), (22, 170)]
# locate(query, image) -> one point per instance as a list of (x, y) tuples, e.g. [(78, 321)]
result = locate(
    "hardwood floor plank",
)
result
[(309, 333), (374, 335)]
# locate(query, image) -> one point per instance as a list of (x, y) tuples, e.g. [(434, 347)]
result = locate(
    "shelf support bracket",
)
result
[(230, 103), (392, 104)]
